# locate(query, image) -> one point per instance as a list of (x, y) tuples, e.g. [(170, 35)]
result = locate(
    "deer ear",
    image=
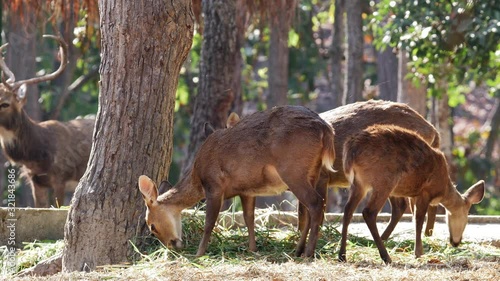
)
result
[(232, 120), (21, 92), (208, 129), (148, 189), (475, 193)]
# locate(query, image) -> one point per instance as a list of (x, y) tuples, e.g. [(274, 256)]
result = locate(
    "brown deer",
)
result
[(265, 153), (351, 119), (392, 161), (52, 153)]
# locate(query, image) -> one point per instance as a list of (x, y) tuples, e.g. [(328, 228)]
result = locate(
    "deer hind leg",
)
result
[(321, 188), (431, 219), (212, 212), (377, 200), (248, 204), (398, 207), (312, 197), (356, 194)]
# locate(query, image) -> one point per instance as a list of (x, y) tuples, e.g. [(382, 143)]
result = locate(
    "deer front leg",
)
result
[(398, 207), (40, 195), (59, 194), (431, 219), (248, 204), (211, 214), (421, 205)]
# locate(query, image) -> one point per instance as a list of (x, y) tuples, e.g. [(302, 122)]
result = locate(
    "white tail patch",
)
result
[(327, 162), (350, 178)]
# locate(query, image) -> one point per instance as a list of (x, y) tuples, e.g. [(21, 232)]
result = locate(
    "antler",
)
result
[(64, 61), (5, 68)]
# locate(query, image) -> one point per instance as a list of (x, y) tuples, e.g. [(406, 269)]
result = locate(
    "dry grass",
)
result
[(228, 259)]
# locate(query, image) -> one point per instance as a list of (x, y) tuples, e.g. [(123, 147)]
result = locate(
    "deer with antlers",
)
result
[(52, 154)]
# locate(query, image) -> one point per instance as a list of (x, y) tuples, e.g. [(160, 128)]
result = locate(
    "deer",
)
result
[(393, 161), (351, 119), (266, 153), (52, 154)]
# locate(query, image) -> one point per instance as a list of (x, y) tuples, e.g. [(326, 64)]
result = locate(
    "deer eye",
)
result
[(4, 105), (153, 228)]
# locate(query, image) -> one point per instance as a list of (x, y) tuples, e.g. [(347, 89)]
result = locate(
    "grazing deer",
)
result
[(392, 161), (351, 119), (265, 153), (51, 153)]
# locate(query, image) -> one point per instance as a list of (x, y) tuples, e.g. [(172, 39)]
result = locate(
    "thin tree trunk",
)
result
[(281, 13), (241, 21), (143, 47), (21, 58), (215, 92), (65, 79), (337, 50), (408, 93), (354, 76), (494, 123), (387, 68)]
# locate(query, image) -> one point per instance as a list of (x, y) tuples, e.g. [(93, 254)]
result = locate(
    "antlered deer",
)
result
[(393, 161), (265, 153), (51, 153), (351, 119)]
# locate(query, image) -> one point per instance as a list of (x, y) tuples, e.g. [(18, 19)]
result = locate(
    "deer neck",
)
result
[(452, 200), (184, 194), (24, 140)]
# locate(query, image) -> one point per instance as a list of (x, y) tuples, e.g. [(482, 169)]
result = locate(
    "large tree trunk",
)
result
[(337, 50), (143, 47), (281, 13), (415, 97), (215, 93), (354, 76), (21, 59)]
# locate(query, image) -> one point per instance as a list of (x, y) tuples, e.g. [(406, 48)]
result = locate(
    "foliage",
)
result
[(454, 41)]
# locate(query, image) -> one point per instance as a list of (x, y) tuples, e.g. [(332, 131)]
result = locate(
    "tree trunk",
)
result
[(415, 97), (387, 66), (281, 13), (65, 79), (241, 22), (494, 123), (354, 76), (337, 50), (215, 93), (143, 47), (21, 59)]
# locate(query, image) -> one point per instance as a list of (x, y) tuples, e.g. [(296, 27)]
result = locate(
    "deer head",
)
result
[(13, 93), (163, 220)]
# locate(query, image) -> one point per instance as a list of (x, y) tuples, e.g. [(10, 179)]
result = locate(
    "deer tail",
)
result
[(328, 157)]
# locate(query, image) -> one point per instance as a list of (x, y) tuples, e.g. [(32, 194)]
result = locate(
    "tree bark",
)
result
[(241, 21), (143, 47), (281, 14), (408, 93), (337, 50), (215, 92), (21, 59), (354, 76), (387, 68)]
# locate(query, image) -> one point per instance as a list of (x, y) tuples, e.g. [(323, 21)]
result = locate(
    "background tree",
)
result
[(143, 48), (337, 53), (217, 66), (280, 16), (353, 90)]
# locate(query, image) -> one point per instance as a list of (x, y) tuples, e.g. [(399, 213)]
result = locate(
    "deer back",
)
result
[(353, 118), (247, 158)]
